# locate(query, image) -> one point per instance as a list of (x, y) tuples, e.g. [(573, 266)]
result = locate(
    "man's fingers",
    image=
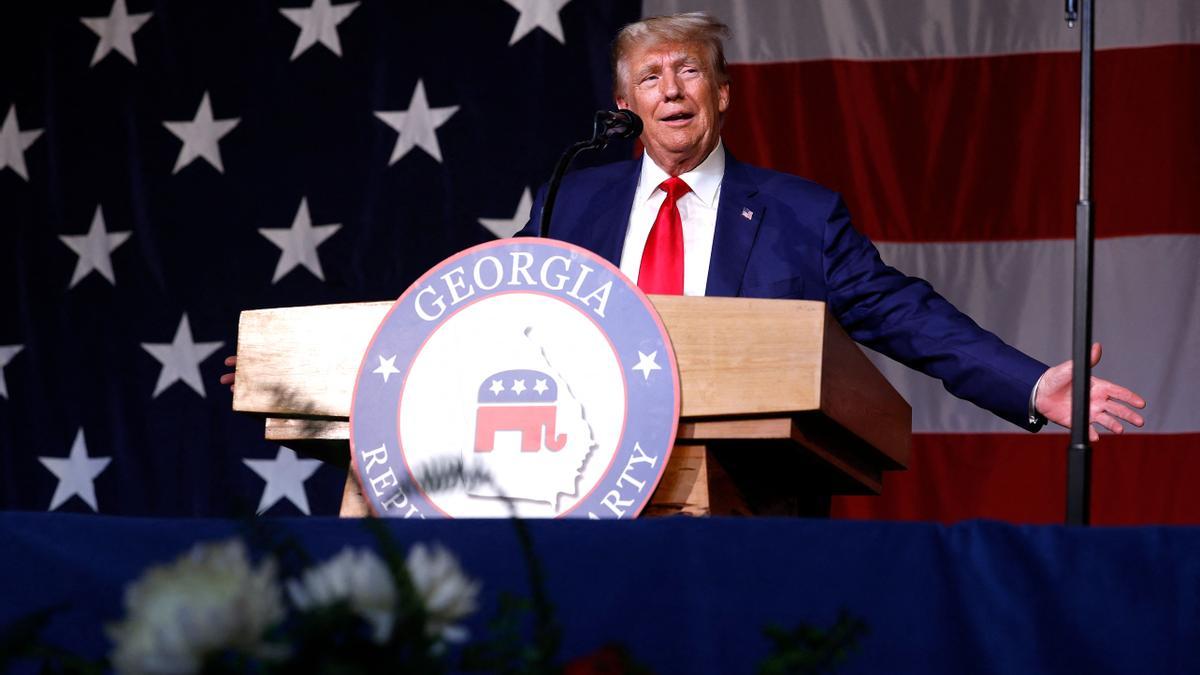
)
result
[(227, 378), (1093, 435), (1113, 390), (1121, 411), (231, 360), (1097, 350), (1108, 422)]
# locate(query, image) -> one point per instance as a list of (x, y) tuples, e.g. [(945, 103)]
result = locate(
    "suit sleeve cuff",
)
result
[(1036, 420)]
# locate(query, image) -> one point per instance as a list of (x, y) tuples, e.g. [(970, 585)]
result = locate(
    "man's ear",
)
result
[(723, 98), (621, 103)]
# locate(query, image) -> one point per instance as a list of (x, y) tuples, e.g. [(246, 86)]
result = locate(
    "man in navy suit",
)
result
[(690, 218)]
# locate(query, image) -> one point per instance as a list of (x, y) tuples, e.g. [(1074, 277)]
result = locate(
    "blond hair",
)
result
[(690, 28)]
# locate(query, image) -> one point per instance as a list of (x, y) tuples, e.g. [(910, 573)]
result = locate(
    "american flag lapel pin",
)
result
[(747, 213)]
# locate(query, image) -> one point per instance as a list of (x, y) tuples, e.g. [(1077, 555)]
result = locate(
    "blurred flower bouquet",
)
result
[(213, 610)]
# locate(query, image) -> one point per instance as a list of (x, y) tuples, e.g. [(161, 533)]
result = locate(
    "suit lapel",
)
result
[(739, 214), (602, 226)]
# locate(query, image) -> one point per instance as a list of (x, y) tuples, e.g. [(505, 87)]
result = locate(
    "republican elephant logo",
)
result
[(521, 400)]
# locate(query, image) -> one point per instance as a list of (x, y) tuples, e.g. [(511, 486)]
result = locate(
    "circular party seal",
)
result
[(521, 377)]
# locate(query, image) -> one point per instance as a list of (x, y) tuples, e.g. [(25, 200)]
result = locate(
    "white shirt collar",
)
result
[(704, 180)]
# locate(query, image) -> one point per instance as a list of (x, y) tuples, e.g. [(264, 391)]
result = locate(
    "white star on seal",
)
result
[(298, 243), (519, 387), (14, 142), (318, 23), (285, 476), (181, 359), (94, 249), (507, 227), (497, 387), (7, 352), (417, 125), (116, 31), (537, 14), (646, 364), (201, 136), (539, 386), (387, 367), (76, 474)]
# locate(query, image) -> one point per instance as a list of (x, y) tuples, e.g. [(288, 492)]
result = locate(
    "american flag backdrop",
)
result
[(952, 129), (165, 165)]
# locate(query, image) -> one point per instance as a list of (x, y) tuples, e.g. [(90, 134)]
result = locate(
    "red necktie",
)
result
[(662, 260)]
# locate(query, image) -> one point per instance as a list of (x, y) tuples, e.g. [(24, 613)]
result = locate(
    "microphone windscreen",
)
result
[(619, 124), (633, 124)]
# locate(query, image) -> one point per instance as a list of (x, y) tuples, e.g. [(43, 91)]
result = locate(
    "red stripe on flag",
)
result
[(1022, 478), (986, 148)]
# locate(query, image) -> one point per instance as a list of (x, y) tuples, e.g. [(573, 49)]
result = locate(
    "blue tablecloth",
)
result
[(693, 595)]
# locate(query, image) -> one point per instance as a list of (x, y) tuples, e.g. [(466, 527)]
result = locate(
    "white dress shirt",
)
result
[(697, 210)]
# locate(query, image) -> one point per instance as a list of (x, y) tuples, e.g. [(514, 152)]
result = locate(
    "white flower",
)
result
[(447, 594), (358, 577), (207, 600)]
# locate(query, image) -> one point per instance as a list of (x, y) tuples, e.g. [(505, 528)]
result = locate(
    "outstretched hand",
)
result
[(1109, 405), (228, 378)]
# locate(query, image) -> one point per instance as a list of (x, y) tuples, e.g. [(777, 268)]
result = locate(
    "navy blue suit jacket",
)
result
[(779, 236)]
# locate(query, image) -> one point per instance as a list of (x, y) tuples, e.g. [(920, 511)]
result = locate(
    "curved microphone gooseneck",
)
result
[(609, 125)]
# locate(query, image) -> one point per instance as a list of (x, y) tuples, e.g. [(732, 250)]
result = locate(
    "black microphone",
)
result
[(616, 124)]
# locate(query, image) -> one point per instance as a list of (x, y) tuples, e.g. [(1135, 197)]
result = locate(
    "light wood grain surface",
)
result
[(736, 356), (751, 370)]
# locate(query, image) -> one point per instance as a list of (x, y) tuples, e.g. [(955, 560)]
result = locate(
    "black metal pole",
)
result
[(1079, 454)]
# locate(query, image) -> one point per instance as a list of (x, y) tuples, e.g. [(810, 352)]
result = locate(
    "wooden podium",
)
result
[(777, 403)]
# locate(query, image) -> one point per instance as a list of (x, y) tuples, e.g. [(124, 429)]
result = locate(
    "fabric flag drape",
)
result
[(165, 165), (952, 129)]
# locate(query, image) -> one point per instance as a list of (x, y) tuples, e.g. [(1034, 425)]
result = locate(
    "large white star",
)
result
[(200, 136), (285, 476), (181, 358), (116, 31), (75, 474), (13, 143), (387, 367), (417, 125), (646, 364), (537, 14), (318, 23), (7, 352), (298, 243), (507, 227), (94, 249)]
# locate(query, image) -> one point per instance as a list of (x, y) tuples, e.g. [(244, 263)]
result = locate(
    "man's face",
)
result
[(673, 88)]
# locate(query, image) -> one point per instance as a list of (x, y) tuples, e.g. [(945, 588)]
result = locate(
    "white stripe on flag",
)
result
[(1147, 315), (808, 30)]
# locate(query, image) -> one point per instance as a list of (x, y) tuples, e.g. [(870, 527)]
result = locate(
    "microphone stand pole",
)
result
[(1079, 453)]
